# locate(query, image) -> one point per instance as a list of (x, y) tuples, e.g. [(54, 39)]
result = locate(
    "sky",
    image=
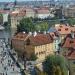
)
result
[(17, 0), (21, 0)]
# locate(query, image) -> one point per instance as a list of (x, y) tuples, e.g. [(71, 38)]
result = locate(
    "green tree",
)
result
[(33, 57), (55, 65), (71, 21), (41, 73), (5, 24), (1, 18), (38, 72), (26, 24), (42, 26)]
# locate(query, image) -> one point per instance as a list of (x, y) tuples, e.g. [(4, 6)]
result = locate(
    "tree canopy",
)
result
[(71, 21), (55, 65), (26, 25), (30, 25), (1, 18), (33, 57), (42, 26)]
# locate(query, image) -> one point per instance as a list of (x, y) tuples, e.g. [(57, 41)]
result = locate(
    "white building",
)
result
[(5, 17), (42, 12)]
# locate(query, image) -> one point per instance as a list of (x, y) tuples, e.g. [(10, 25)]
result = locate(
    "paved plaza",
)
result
[(7, 65)]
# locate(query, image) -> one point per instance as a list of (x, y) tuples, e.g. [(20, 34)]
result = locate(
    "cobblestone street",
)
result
[(7, 65)]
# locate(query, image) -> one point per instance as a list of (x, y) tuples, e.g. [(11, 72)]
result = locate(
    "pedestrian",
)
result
[(2, 64), (4, 68), (3, 73), (10, 61), (1, 61), (11, 65), (7, 68), (13, 68), (6, 73)]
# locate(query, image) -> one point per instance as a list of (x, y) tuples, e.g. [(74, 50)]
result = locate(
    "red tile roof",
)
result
[(39, 39), (4, 11), (18, 13), (73, 29), (20, 36), (63, 29), (42, 10), (71, 54), (69, 42), (54, 34)]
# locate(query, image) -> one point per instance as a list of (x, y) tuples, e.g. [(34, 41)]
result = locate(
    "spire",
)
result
[(15, 2)]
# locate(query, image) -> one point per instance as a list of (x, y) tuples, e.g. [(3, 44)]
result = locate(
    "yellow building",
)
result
[(27, 44)]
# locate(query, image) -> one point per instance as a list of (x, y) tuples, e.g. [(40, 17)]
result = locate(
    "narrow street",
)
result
[(7, 65)]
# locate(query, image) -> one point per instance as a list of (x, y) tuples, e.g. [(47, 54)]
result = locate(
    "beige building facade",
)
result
[(41, 45), (69, 12)]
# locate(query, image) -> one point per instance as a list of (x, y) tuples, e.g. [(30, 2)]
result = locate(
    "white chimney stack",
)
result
[(44, 32), (24, 32), (72, 34), (34, 33), (30, 33)]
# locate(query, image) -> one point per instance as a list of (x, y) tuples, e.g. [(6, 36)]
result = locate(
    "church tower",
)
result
[(15, 2)]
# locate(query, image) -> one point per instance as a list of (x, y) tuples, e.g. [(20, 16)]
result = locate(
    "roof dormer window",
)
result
[(53, 35), (59, 29), (66, 29), (71, 41), (60, 26)]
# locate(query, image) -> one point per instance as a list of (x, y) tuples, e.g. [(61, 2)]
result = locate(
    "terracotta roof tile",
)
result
[(71, 54), (20, 36), (73, 29), (42, 11), (69, 42), (18, 13), (63, 29), (5, 11), (41, 39), (54, 34)]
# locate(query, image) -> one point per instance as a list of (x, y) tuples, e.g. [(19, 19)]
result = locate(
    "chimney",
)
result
[(44, 32), (34, 33), (30, 33), (24, 32), (72, 34), (56, 25), (67, 24)]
